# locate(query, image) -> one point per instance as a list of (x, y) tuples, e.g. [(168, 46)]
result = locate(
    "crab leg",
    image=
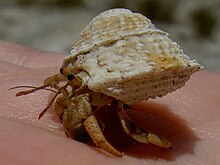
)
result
[(82, 110), (139, 134), (83, 105), (63, 88), (97, 136)]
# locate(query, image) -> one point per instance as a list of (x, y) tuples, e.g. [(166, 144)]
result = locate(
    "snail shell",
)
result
[(128, 58)]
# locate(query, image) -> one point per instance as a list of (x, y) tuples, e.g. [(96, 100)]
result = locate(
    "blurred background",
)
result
[(53, 25)]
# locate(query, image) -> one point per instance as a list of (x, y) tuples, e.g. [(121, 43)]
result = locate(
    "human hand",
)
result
[(188, 117)]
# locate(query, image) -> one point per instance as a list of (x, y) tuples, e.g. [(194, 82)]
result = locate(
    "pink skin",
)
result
[(189, 118)]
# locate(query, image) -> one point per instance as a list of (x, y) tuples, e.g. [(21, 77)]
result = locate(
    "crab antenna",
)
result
[(31, 90), (52, 100), (29, 86)]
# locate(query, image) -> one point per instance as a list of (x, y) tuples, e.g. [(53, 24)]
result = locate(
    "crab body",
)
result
[(121, 58)]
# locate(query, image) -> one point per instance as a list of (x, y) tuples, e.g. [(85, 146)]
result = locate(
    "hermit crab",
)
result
[(120, 58)]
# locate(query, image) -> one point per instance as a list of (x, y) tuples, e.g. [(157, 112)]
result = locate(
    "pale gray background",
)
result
[(53, 26)]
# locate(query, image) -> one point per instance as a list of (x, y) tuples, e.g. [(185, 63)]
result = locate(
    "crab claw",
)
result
[(139, 134)]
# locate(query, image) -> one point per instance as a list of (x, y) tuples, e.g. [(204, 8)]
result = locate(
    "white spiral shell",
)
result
[(128, 58)]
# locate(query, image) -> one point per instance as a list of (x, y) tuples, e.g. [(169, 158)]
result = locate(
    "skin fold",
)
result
[(188, 117)]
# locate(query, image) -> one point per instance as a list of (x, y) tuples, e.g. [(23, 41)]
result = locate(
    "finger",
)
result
[(25, 144), (191, 139), (182, 105), (26, 57)]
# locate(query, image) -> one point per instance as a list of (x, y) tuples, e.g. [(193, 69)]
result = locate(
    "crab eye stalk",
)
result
[(61, 70), (70, 76)]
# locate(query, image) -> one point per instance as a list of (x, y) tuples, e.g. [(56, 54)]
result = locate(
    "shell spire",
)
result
[(109, 27)]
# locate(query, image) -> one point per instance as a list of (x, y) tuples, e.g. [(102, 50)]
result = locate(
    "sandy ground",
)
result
[(55, 29)]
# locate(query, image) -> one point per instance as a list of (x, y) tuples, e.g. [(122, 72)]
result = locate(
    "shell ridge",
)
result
[(86, 48), (108, 26)]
